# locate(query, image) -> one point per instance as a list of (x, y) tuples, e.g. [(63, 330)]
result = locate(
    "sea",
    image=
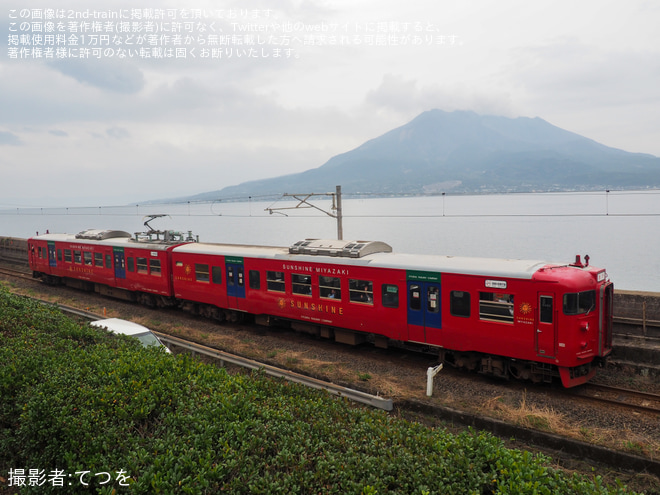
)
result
[(618, 230)]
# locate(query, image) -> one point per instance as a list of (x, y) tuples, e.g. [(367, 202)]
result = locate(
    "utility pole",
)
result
[(303, 203)]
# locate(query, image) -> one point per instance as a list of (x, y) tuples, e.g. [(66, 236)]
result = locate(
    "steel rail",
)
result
[(623, 399)]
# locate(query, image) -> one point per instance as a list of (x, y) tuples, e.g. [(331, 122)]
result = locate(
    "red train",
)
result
[(526, 319)]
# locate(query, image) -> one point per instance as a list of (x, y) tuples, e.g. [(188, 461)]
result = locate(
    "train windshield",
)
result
[(579, 303)]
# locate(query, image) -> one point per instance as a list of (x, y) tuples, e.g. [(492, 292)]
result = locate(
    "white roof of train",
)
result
[(495, 267), (490, 267), (111, 241)]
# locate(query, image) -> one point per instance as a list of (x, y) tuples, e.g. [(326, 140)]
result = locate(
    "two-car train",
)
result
[(526, 319)]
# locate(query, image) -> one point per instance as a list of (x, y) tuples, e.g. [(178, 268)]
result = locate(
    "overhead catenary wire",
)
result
[(138, 209)]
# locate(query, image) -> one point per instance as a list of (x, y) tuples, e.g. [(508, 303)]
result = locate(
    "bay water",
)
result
[(619, 230)]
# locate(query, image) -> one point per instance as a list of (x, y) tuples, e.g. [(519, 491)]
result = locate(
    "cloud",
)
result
[(405, 97), (58, 133), (118, 133), (570, 72), (119, 76), (9, 138)]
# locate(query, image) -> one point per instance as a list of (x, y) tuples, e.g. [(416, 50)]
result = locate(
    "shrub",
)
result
[(78, 399)]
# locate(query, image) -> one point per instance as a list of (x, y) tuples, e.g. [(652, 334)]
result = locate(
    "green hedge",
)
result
[(77, 399)]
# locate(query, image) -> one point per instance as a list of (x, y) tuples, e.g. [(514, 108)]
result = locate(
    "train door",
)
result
[(52, 259), (424, 320), (235, 282), (120, 263), (546, 325)]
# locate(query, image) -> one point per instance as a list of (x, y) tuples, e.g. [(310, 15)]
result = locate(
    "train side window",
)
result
[(390, 296), (98, 259), (59, 255), (108, 261), (201, 272), (329, 287), (275, 281), (67, 255), (154, 267), (255, 279), (77, 256), (301, 284), (142, 266), (361, 291), (87, 256), (496, 307), (130, 264), (216, 275), (415, 297), (546, 309), (459, 303)]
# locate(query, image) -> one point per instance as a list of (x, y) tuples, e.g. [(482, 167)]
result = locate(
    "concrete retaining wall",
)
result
[(629, 304)]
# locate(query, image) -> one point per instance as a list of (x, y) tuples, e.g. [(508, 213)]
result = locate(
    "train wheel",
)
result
[(520, 371)]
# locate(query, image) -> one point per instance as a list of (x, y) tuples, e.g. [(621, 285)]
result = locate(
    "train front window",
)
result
[(579, 303)]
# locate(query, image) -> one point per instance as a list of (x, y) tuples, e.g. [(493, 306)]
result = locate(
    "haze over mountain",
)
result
[(463, 152)]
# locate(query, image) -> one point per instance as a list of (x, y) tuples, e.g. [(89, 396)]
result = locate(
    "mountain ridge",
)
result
[(464, 152)]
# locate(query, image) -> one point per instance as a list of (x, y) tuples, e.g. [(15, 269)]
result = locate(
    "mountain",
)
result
[(462, 151)]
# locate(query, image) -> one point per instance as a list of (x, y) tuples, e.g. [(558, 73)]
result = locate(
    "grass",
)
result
[(531, 416)]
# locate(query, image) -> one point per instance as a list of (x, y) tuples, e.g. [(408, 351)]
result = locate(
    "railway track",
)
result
[(15, 273), (620, 397)]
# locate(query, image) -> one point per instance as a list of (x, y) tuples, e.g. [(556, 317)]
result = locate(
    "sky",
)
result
[(120, 102)]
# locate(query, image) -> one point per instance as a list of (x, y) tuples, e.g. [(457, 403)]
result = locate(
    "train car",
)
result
[(526, 319), (111, 262)]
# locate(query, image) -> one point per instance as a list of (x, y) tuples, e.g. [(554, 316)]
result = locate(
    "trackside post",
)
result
[(430, 373)]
